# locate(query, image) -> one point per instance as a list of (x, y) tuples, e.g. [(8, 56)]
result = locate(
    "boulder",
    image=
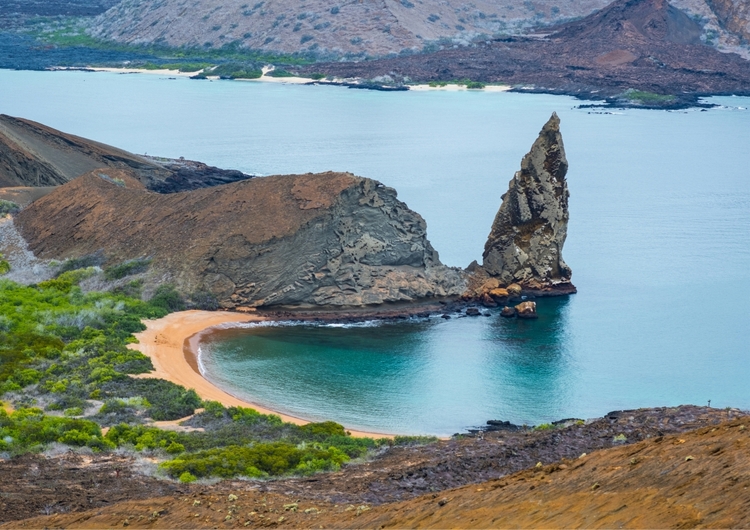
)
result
[(526, 241), (488, 301), (508, 312), (472, 312), (526, 310), (514, 289)]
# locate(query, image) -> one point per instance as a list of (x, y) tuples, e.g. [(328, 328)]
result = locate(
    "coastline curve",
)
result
[(171, 344)]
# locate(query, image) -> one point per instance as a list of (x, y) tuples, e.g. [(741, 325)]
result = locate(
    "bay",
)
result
[(659, 242)]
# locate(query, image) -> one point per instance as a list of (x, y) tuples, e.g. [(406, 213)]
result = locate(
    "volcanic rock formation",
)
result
[(330, 239), (32, 154), (527, 237)]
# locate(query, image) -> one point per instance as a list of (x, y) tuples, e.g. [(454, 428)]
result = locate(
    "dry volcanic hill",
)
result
[(648, 45), (330, 239), (355, 27), (313, 240), (32, 154)]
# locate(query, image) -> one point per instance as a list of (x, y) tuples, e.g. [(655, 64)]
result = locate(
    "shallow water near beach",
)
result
[(659, 243)]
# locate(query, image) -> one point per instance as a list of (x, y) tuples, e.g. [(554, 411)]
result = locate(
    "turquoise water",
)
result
[(659, 243)]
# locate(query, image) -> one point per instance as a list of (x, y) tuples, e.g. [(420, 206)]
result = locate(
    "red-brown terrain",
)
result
[(647, 45), (696, 477)]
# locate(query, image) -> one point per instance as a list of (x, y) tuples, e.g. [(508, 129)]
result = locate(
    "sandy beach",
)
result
[(171, 341)]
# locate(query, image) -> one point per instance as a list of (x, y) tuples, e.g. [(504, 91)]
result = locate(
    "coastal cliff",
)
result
[(330, 239), (35, 155), (527, 237)]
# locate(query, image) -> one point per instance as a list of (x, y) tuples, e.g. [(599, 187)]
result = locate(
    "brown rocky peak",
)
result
[(527, 237)]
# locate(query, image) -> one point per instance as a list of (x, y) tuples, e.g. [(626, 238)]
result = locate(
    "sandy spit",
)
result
[(171, 343)]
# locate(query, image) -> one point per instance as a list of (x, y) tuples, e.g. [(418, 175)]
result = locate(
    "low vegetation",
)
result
[(7, 207), (66, 368), (648, 98)]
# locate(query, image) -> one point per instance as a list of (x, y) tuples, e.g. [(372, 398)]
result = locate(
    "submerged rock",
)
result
[(526, 241)]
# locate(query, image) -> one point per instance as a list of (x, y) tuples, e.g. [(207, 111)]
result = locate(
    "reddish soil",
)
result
[(644, 481), (641, 44)]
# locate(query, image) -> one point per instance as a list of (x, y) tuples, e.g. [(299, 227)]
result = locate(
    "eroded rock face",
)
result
[(526, 241), (330, 239)]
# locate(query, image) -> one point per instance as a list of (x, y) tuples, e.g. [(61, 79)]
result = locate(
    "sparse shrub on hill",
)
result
[(126, 268), (167, 298), (7, 207), (29, 429), (4, 266), (91, 260)]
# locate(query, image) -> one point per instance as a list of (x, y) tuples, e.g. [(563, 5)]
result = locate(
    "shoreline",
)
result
[(171, 344), (421, 87)]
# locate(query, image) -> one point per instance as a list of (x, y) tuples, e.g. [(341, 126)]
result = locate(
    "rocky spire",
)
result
[(527, 237)]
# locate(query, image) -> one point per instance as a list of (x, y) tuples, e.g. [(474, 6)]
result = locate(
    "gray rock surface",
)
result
[(526, 241), (330, 239)]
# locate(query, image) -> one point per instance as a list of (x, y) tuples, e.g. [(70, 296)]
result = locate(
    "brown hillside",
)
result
[(642, 44), (697, 479), (359, 27), (325, 239), (32, 154)]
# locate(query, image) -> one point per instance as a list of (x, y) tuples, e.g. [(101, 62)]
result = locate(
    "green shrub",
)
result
[(91, 260), (27, 429), (474, 85), (167, 298), (126, 268), (187, 478), (7, 207), (4, 266), (73, 411), (259, 460), (317, 77)]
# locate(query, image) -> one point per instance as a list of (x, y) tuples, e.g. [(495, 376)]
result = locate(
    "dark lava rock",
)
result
[(508, 312), (472, 311)]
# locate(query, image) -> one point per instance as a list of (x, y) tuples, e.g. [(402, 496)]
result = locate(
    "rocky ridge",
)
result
[(527, 236), (330, 239), (644, 45), (32, 154)]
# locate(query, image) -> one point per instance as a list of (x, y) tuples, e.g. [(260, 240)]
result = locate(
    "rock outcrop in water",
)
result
[(330, 239), (527, 237)]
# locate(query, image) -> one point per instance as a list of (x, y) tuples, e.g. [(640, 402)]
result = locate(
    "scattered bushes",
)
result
[(256, 461), (4, 266), (7, 207), (167, 298), (126, 268), (236, 71), (29, 429)]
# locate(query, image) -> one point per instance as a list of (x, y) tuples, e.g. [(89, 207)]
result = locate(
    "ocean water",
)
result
[(659, 243)]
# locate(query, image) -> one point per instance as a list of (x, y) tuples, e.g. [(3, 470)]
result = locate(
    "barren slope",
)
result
[(693, 479), (369, 27), (644, 44), (325, 239), (32, 154)]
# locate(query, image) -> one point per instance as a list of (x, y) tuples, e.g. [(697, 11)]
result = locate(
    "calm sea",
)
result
[(659, 243)]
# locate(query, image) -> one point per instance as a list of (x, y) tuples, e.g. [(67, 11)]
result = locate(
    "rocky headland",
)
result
[(35, 155), (313, 241), (330, 239)]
